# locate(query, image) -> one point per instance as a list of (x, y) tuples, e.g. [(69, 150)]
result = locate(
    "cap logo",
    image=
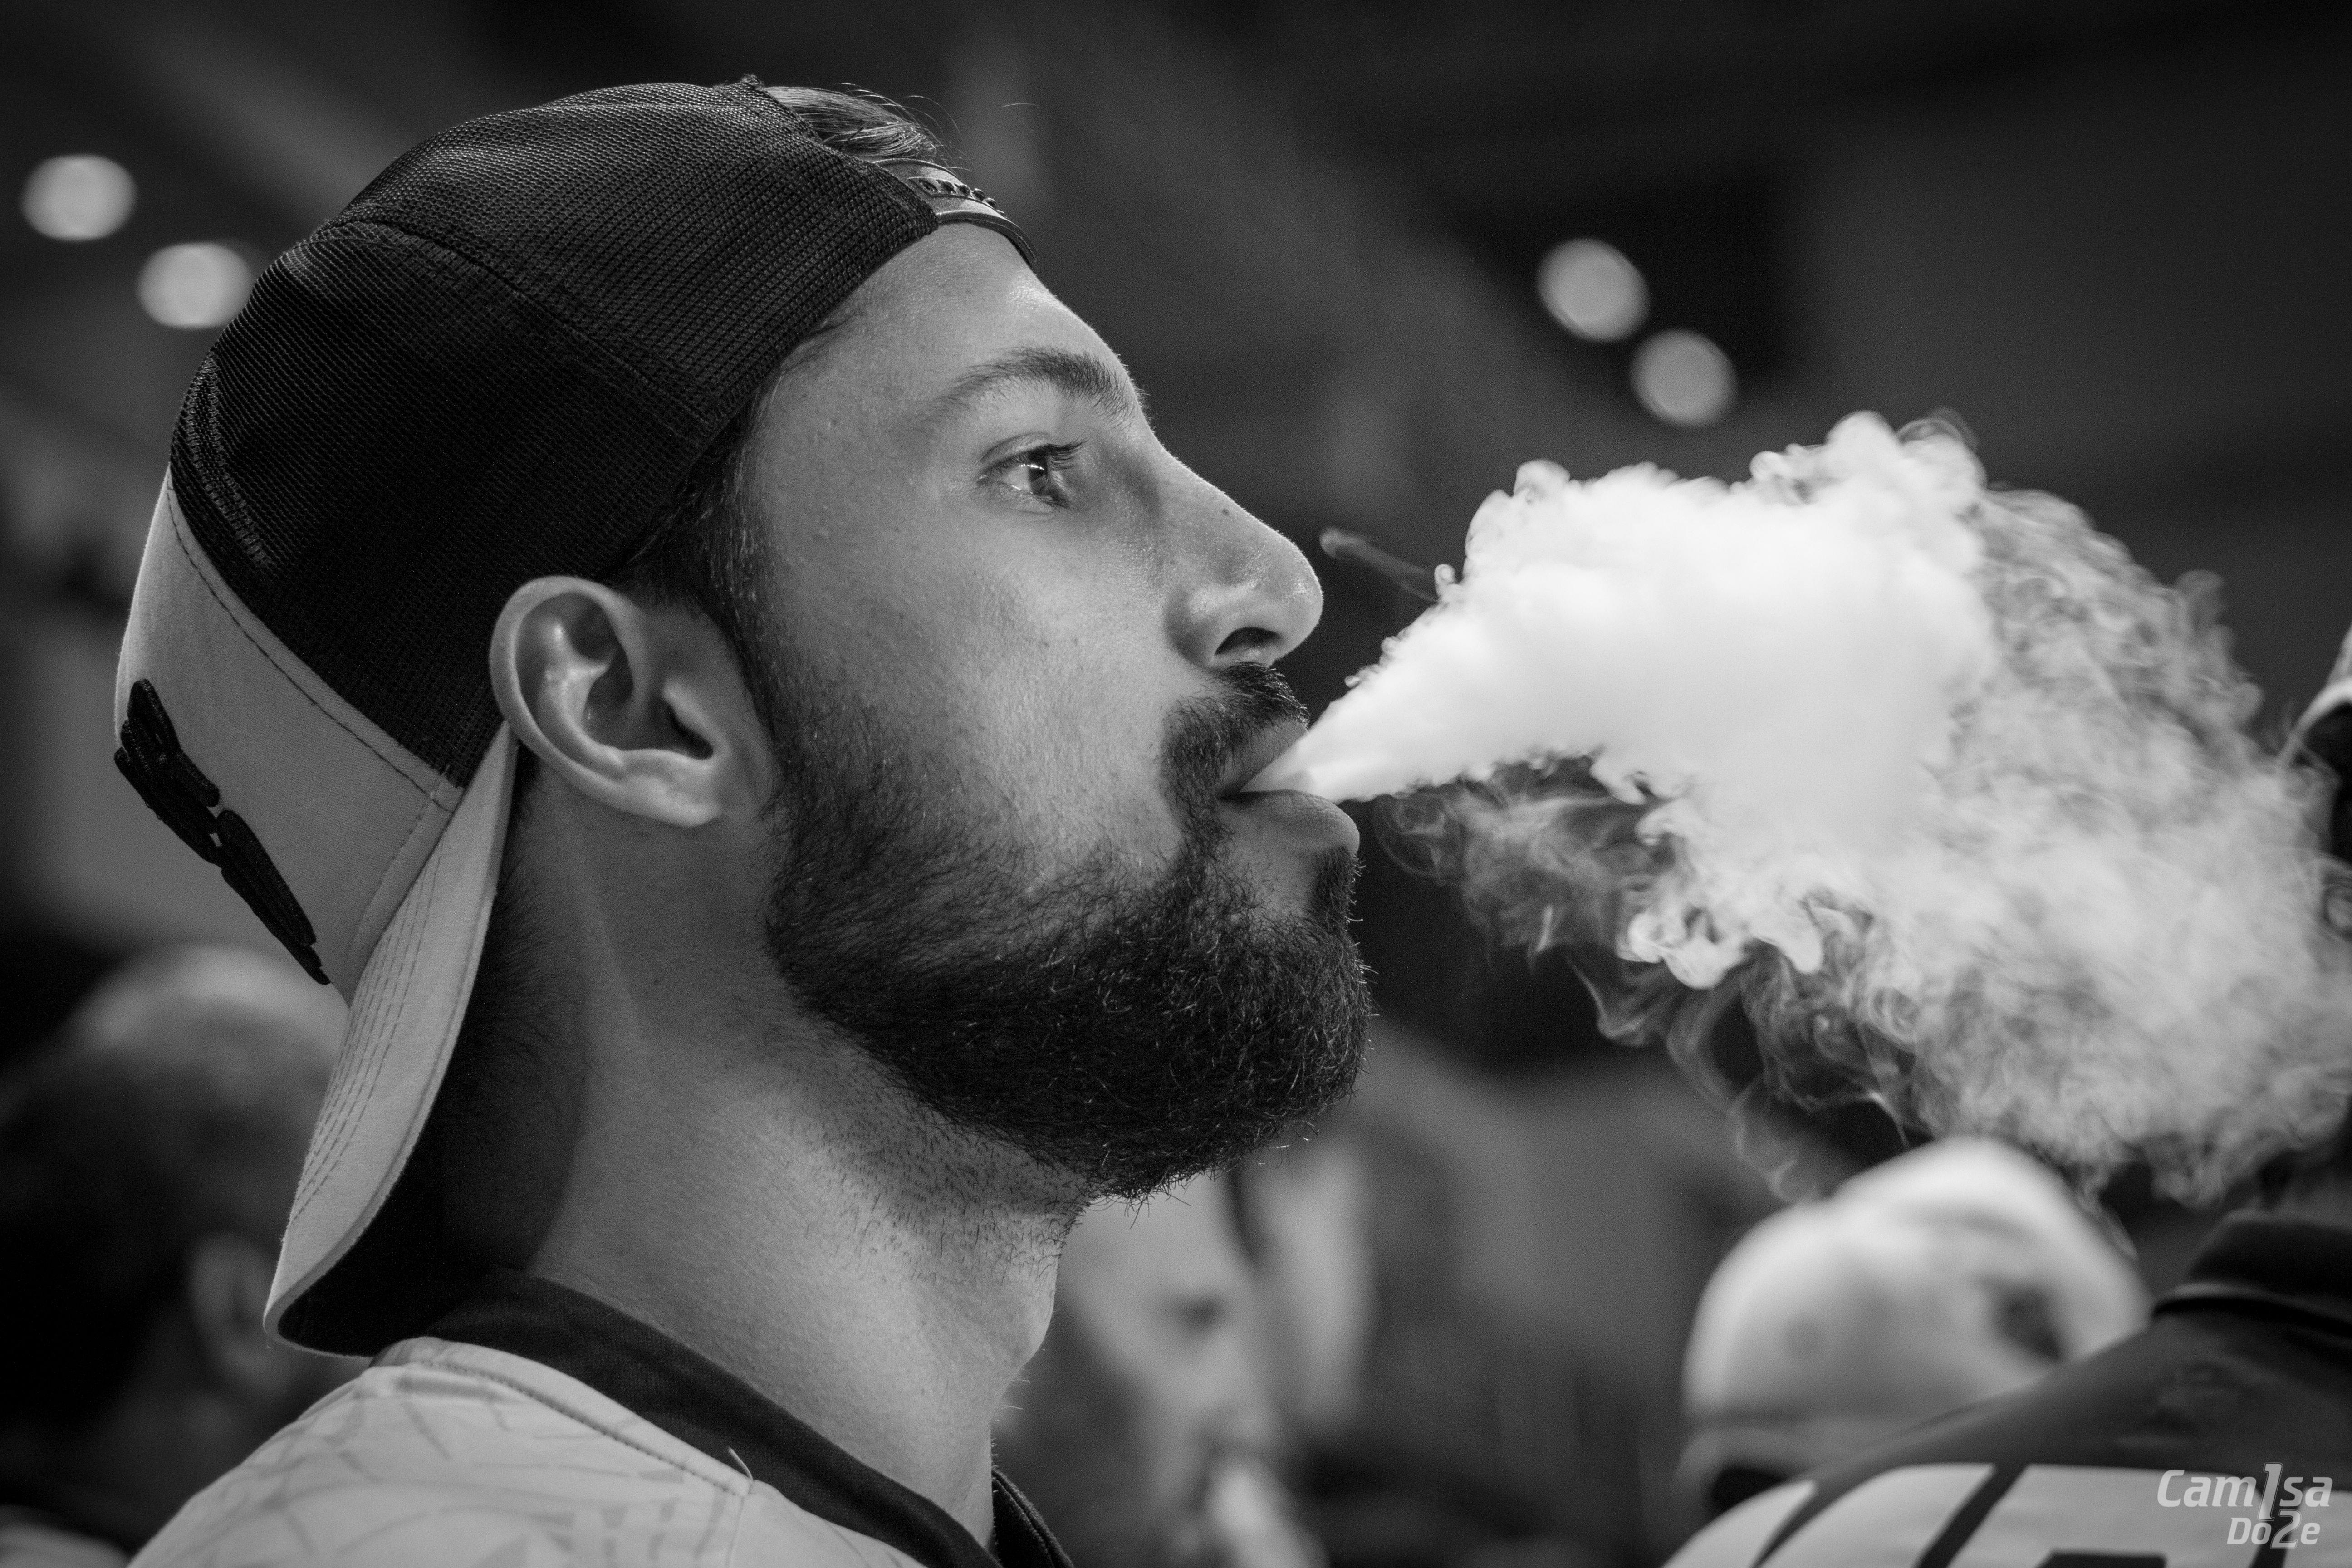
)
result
[(955, 200), (176, 790)]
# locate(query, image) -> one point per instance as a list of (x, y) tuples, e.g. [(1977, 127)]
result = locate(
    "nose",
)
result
[(1245, 594)]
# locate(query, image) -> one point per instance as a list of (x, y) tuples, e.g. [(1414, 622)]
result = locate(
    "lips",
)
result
[(1255, 758)]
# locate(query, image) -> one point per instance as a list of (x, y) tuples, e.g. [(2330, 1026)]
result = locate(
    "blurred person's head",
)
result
[(1946, 1275), (147, 1162), (1140, 1427)]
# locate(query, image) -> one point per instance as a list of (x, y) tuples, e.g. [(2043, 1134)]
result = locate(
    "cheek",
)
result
[(1076, 719), (1043, 693)]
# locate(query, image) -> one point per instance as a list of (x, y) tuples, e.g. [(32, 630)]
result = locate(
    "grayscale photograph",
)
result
[(1175, 784)]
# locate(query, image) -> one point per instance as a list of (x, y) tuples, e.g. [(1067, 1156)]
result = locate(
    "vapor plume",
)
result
[(1958, 801)]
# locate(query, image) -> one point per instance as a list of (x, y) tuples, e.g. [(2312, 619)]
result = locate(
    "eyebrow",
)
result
[(1075, 374)]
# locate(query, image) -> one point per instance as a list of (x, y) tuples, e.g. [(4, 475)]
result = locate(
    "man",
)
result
[(147, 1160), (682, 512), (2220, 1434), (1143, 1427)]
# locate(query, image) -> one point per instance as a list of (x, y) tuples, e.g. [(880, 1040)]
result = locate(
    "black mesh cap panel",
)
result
[(498, 362)]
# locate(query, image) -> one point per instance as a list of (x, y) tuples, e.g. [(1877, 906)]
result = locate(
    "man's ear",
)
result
[(639, 708)]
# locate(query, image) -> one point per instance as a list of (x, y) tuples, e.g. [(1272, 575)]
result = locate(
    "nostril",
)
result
[(1246, 640)]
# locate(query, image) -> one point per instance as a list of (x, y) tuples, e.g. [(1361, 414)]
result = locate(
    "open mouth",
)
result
[(1268, 807), (1247, 771)]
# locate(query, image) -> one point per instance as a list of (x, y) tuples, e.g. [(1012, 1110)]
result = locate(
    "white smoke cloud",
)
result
[(1958, 799)]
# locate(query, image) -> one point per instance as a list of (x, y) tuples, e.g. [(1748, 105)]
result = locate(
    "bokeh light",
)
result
[(1684, 379), (193, 286), (80, 196), (1592, 290)]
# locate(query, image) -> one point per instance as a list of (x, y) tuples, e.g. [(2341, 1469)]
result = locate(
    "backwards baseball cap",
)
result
[(497, 363)]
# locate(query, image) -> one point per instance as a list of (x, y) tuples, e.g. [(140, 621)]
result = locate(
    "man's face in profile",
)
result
[(1021, 671)]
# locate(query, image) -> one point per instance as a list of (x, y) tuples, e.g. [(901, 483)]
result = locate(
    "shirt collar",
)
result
[(697, 1401), (2274, 1262)]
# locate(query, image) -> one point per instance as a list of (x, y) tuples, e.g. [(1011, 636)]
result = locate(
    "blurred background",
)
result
[(1366, 257)]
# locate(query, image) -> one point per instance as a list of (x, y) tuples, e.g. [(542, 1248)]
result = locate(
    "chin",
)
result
[(1331, 891)]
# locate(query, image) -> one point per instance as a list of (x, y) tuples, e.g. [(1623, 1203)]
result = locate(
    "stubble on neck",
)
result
[(770, 1198)]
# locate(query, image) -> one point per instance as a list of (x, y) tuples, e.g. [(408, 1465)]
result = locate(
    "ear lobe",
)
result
[(623, 701)]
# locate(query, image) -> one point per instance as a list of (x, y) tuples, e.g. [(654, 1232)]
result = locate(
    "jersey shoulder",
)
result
[(445, 1453)]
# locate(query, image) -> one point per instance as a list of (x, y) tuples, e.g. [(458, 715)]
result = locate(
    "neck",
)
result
[(763, 1194)]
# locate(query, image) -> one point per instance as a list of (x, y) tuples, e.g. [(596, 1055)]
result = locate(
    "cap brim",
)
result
[(404, 1019), (2336, 694)]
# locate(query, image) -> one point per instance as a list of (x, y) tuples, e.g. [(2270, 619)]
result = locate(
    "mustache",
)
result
[(1206, 734)]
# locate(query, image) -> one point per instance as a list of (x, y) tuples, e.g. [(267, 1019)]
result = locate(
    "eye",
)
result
[(1035, 473)]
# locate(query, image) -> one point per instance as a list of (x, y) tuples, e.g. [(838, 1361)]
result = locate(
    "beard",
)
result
[(1131, 1032)]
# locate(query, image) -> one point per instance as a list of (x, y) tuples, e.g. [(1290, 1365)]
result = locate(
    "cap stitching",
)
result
[(423, 818), (328, 1160), (392, 1002)]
